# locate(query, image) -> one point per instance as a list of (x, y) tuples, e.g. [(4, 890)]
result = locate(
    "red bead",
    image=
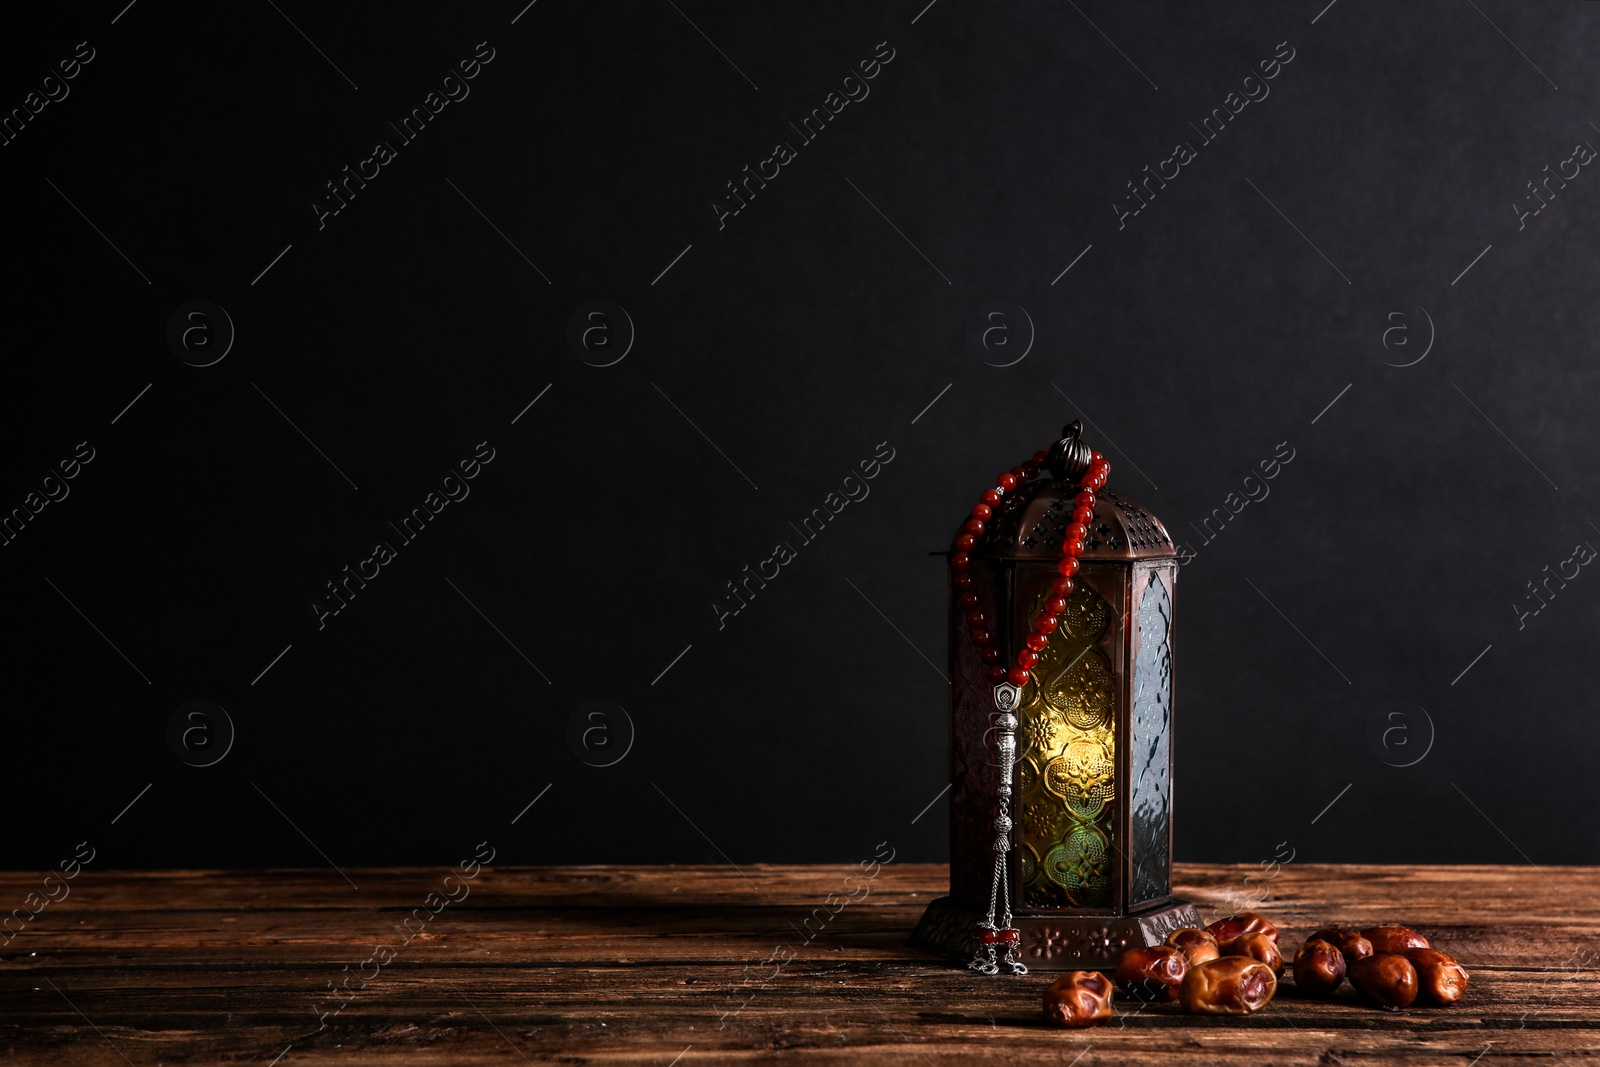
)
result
[(976, 618), (1073, 548), (963, 581), (1056, 604), (980, 637), (1006, 481), (1076, 531), (982, 511), (991, 656), (1086, 515), (990, 497), (1068, 566), (973, 526), (960, 561), (968, 600), (1044, 623), (1095, 457), (966, 542), (1027, 659), (1040, 456), (1085, 499), (1037, 641), (1029, 471), (1016, 676), (1063, 586), (1010, 937), (988, 937), (998, 674)]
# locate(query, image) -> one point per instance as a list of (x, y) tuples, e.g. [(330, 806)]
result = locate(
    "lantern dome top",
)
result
[(1032, 520)]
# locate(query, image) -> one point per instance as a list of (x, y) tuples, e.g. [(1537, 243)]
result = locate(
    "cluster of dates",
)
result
[(1232, 967)]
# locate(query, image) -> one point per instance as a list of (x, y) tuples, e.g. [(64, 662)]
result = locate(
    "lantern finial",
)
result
[(1069, 457)]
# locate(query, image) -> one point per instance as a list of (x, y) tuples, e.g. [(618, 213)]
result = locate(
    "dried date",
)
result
[(1349, 942), (1231, 985), (1440, 979), (1257, 946), (1197, 946), (1246, 922), (1388, 980), (1319, 967), (1153, 973), (1394, 940), (1078, 999)]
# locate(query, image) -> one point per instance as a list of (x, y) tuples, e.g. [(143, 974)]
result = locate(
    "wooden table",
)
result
[(665, 964)]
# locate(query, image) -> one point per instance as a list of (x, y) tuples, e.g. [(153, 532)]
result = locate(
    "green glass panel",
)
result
[(1066, 780)]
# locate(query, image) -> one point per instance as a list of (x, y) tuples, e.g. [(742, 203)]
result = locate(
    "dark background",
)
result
[(777, 352)]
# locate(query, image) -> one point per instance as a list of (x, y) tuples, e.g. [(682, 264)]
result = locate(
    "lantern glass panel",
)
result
[(1151, 736), (1067, 777)]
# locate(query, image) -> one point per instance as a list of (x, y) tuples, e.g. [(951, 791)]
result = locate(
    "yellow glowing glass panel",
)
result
[(1066, 773)]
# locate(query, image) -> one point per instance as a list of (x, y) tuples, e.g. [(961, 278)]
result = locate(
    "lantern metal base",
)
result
[(1055, 943)]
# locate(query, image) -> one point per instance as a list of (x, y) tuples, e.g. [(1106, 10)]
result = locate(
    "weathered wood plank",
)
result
[(607, 965), (1460, 890)]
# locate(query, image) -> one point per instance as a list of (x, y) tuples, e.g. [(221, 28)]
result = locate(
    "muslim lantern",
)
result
[(1061, 787)]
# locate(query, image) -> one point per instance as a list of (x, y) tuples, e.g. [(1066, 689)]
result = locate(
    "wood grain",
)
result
[(637, 966)]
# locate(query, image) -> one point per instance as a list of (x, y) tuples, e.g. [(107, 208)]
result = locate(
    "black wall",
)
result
[(1341, 274)]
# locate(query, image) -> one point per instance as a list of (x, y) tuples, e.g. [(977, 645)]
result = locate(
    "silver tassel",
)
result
[(998, 940)]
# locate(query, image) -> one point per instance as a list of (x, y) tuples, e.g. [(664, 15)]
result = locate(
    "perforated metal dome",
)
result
[(1031, 521)]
